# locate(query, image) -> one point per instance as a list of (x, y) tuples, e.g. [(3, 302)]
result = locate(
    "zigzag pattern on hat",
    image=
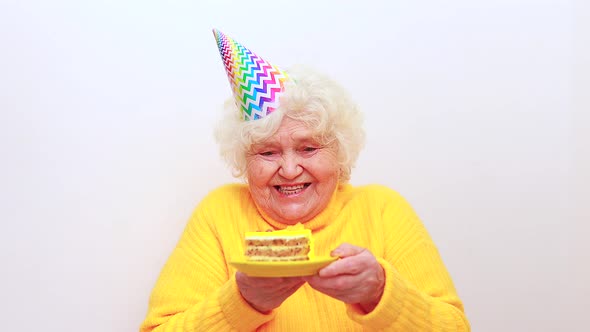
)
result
[(256, 84)]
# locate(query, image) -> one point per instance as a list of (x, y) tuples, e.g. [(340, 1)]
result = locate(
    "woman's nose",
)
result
[(290, 167)]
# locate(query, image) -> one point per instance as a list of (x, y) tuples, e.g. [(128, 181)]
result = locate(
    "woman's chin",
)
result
[(293, 214)]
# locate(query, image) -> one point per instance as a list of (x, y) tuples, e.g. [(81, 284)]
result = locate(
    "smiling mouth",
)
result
[(292, 190)]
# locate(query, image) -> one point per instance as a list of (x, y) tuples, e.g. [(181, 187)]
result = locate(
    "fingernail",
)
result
[(336, 253)]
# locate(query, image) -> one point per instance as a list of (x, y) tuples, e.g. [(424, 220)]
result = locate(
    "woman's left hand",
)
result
[(355, 278)]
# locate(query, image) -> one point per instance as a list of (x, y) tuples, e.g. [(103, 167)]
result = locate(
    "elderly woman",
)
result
[(295, 144)]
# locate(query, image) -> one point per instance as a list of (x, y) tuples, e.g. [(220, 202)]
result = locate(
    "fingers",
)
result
[(346, 250), (267, 282), (346, 288), (354, 261), (289, 291), (265, 294), (350, 265), (332, 283), (355, 278)]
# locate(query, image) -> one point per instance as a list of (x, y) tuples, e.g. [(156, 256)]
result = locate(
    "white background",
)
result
[(476, 111)]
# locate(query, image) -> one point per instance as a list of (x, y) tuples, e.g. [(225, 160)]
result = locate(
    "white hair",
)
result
[(314, 99)]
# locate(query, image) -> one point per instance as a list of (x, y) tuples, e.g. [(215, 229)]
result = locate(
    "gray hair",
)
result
[(314, 99)]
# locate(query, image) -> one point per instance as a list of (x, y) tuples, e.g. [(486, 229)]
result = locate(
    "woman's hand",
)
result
[(355, 278), (265, 294)]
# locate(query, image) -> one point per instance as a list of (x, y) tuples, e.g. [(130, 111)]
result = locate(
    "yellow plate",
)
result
[(282, 269)]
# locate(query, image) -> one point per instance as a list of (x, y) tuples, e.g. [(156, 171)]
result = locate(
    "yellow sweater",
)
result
[(196, 290)]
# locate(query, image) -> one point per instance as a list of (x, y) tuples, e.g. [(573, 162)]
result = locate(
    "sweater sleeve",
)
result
[(419, 294), (194, 291)]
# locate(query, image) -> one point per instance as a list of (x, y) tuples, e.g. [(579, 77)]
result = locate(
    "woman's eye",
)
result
[(266, 153), (309, 149)]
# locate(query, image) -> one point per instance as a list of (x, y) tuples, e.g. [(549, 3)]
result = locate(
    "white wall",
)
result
[(476, 111)]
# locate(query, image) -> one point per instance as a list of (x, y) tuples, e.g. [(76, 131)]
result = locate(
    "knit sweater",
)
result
[(197, 290)]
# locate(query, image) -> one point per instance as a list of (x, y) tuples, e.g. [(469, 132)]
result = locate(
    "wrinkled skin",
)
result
[(291, 176)]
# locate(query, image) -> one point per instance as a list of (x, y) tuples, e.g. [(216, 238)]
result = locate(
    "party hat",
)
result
[(256, 84)]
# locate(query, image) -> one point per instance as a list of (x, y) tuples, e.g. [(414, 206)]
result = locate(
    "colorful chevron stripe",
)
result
[(256, 84)]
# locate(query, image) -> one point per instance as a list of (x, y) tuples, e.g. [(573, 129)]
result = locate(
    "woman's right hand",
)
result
[(265, 294)]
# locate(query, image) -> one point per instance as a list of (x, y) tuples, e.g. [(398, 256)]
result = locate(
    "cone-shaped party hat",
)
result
[(256, 84)]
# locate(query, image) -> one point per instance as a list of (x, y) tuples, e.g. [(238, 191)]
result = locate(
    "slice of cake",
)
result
[(291, 244)]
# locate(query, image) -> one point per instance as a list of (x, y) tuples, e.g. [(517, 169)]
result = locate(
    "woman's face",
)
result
[(291, 176)]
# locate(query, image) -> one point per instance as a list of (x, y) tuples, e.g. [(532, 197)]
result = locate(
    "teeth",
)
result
[(290, 190), (292, 187)]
